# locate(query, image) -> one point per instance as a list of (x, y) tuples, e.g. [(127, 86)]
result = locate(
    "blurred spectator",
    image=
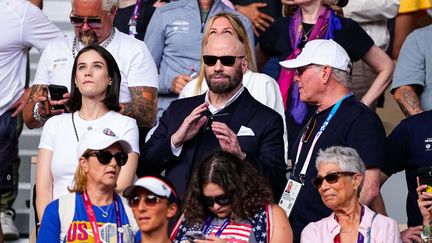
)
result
[(154, 201), (26, 26), (92, 22), (228, 201), (323, 76), (286, 37), (412, 80), (174, 38), (93, 212), (226, 117), (341, 173), (93, 104), (133, 16), (261, 86)]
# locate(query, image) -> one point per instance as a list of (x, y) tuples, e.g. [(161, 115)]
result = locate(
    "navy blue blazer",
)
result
[(265, 149)]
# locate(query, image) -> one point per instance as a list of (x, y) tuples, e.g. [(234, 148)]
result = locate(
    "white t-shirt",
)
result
[(133, 58), (23, 26), (58, 135), (261, 86)]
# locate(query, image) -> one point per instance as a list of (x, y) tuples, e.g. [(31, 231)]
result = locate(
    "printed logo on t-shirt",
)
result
[(181, 26), (81, 231), (428, 144)]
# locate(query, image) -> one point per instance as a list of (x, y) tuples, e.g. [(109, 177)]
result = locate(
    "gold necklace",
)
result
[(305, 34)]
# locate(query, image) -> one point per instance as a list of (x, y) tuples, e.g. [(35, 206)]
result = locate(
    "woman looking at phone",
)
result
[(94, 103), (225, 194), (340, 177)]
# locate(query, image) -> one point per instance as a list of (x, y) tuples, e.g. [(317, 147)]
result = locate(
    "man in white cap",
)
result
[(153, 200), (323, 72)]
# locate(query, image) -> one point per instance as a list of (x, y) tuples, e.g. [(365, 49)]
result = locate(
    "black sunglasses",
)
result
[(331, 178), (222, 200), (150, 200), (78, 21), (225, 60), (301, 70), (105, 157)]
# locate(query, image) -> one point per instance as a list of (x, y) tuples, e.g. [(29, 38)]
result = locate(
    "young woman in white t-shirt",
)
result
[(94, 102)]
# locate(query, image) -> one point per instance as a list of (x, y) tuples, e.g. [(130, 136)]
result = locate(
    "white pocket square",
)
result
[(245, 131)]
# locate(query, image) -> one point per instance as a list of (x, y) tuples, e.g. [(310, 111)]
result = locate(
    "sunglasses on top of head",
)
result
[(210, 60), (78, 21), (331, 178), (105, 157), (222, 200), (150, 200)]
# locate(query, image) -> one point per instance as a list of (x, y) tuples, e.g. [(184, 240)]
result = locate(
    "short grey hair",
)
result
[(343, 77), (107, 5), (345, 157)]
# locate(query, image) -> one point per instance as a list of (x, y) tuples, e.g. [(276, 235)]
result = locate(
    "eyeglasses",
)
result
[(331, 178), (150, 200), (222, 200), (301, 70), (225, 60), (310, 127), (105, 157), (78, 21)]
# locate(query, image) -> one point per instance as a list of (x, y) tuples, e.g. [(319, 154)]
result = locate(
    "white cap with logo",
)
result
[(97, 139), (321, 52)]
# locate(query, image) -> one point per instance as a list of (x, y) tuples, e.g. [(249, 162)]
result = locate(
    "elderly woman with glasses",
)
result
[(339, 181), (228, 201), (93, 212), (153, 200)]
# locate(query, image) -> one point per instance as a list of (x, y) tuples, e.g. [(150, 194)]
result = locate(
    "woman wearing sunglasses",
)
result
[(153, 200), (228, 201), (94, 102), (339, 181), (93, 212)]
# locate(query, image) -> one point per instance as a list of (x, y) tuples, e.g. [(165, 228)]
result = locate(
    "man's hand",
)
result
[(412, 234), (20, 103), (424, 202), (227, 139), (260, 21), (190, 126), (179, 82)]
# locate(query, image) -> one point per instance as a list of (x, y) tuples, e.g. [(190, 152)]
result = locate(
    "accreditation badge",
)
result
[(289, 196)]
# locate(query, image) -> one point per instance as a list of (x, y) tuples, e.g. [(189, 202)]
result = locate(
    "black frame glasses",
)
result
[(150, 200), (229, 61), (331, 177), (222, 200), (78, 21), (104, 157), (301, 70)]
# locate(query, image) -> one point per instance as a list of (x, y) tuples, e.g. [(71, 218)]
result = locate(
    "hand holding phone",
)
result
[(425, 176), (56, 93)]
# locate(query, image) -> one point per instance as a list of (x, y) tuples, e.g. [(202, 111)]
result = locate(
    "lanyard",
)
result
[(360, 238), (323, 127), (133, 19), (92, 218), (208, 223)]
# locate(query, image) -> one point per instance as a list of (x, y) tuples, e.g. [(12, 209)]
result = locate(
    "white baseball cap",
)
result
[(158, 185), (321, 52), (100, 138)]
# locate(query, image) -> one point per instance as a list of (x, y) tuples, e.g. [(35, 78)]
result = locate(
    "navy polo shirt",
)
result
[(354, 125), (409, 147)]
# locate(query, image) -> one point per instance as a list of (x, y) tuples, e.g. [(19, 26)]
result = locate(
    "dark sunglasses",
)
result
[(78, 21), (331, 178), (222, 200), (225, 60), (150, 200), (105, 157), (301, 70)]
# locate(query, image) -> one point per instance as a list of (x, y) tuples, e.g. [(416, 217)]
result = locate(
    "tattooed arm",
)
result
[(143, 107), (408, 100)]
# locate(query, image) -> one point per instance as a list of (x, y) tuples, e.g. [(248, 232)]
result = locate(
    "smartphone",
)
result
[(195, 235), (425, 176), (56, 93)]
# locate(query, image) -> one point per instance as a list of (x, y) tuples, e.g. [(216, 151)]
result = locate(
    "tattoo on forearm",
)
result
[(37, 90), (409, 102), (143, 107)]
